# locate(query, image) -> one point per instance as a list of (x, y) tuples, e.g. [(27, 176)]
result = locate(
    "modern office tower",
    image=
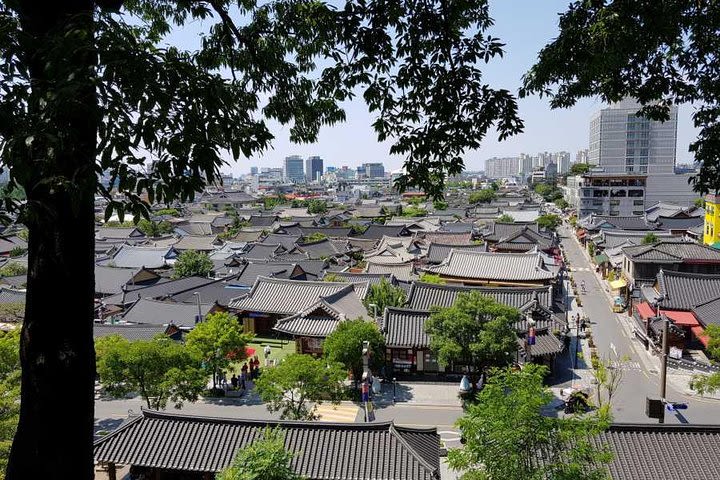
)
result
[(294, 169), (562, 160), (253, 170), (345, 173), (622, 142), (551, 170), (582, 156), (313, 169), (361, 173), (330, 169), (502, 167), (374, 170)]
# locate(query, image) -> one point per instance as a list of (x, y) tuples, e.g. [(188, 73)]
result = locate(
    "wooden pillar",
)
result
[(112, 475)]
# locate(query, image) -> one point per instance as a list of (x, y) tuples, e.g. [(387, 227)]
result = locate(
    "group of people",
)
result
[(249, 371), (580, 323)]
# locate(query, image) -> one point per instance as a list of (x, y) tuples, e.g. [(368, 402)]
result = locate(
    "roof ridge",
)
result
[(394, 431)]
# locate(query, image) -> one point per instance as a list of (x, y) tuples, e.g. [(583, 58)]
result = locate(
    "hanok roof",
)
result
[(128, 256), (248, 235), (672, 252), (156, 312), (708, 313), (371, 278), (324, 248), (164, 288), (652, 451), (457, 227), (322, 318), (199, 243), (321, 451), (332, 232), (620, 223), (230, 196), (684, 291), (405, 328), (288, 297), (679, 223), (424, 296), (448, 238), (497, 231), (262, 221), (110, 280), (401, 271), (609, 238), (194, 228), (9, 295), (286, 241), (662, 209), (262, 251), (118, 233), (378, 231), (130, 332), (546, 344), (493, 266), (438, 252)]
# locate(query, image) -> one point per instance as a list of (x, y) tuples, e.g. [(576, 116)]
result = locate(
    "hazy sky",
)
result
[(525, 26)]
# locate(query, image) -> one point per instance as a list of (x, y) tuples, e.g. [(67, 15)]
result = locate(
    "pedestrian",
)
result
[(251, 369), (234, 381), (267, 351), (243, 378), (582, 325), (256, 363), (244, 369)]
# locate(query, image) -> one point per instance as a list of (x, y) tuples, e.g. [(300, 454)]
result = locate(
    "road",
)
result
[(641, 379)]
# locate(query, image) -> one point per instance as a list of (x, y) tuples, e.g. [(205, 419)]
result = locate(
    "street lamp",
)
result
[(394, 391), (663, 362), (198, 318)]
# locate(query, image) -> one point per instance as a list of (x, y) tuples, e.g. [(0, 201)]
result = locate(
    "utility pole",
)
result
[(663, 366)]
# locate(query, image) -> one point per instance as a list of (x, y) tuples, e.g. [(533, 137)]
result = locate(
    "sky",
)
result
[(525, 26)]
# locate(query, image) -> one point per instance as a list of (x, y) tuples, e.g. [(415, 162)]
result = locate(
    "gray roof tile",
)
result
[(684, 291), (424, 296), (155, 312), (493, 266), (322, 451), (405, 328)]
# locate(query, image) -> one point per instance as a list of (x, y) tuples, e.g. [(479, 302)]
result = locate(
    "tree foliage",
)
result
[(345, 344), (153, 229), (9, 392), (549, 221), (315, 206), (13, 269), (505, 218), (506, 432), (708, 384), (298, 384), (264, 459), (413, 211), (660, 53), (476, 331), (426, 277), (217, 341), (384, 294), (561, 203), (485, 195), (192, 263), (440, 205), (649, 239), (579, 168), (315, 237), (158, 370)]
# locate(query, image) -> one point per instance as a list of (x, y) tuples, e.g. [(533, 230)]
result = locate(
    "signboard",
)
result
[(675, 353)]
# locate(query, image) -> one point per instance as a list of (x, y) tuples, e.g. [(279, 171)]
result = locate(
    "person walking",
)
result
[(234, 381), (267, 351), (582, 325)]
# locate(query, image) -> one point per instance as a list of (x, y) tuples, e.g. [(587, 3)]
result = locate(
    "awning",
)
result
[(644, 310), (681, 319), (716, 245), (699, 333), (601, 258), (618, 284), (581, 234)]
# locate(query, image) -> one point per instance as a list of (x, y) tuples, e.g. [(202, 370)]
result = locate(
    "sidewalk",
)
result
[(419, 393)]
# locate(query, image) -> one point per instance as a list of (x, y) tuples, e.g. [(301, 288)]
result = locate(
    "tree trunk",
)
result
[(55, 433)]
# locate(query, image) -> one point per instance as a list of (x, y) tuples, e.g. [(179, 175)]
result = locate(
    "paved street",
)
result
[(614, 340)]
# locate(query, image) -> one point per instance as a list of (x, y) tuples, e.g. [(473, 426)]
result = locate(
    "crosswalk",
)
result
[(346, 412)]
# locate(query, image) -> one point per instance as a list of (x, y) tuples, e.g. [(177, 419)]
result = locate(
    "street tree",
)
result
[(192, 263), (485, 195), (264, 459), (345, 345), (507, 434), (561, 203), (383, 294), (159, 370), (217, 341), (9, 392), (709, 384), (660, 53), (549, 221), (298, 384), (90, 88), (476, 331)]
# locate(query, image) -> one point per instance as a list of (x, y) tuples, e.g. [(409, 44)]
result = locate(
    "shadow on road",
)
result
[(402, 392), (106, 425)]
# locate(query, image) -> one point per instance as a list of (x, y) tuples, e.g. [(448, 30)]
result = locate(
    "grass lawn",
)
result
[(280, 350)]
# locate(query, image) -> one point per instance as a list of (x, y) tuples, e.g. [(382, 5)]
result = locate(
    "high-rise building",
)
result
[(525, 164), (582, 156), (313, 168), (502, 167), (345, 173), (374, 170), (294, 168), (330, 169), (562, 161), (622, 142), (253, 170)]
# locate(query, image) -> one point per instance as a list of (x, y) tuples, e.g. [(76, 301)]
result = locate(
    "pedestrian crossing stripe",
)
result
[(343, 413)]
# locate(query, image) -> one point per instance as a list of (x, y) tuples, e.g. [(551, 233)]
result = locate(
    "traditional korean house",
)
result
[(156, 446)]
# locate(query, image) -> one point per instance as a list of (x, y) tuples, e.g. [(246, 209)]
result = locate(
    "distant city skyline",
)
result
[(525, 26)]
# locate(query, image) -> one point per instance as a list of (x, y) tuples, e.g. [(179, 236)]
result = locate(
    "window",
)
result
[(638, 212), (614, 202), (614, 213), (638, 203), (636, 193)]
